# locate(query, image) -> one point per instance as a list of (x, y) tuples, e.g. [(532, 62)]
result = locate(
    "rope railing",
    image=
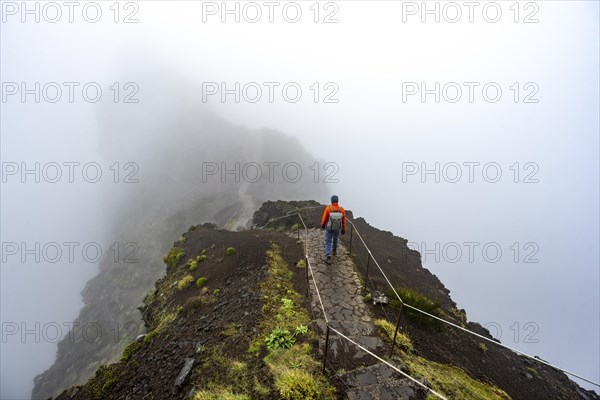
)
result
[(329, 327), (366, 350), (403, 304)]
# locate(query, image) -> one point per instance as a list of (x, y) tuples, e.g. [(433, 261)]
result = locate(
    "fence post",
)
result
[(306, 268), (397, 326), (351, 228), (326, 347), (367, 274)]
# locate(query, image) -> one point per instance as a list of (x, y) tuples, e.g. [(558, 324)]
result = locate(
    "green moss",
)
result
[(216, 292), (297, 374), (149, 336), (221, 393), (451, 381), (173, 256), (230, 251), (232, 329), (201, 281), (129, 351), (460, 316), (185, 282), (420, 301), (482, 347), (532, 371), (387, 329), (301, 264)]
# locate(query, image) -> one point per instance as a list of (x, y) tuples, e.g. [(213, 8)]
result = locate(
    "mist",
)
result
[(517, 172)]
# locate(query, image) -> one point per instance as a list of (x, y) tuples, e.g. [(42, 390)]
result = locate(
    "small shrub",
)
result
[(185, 282), (230, 251), (194, 302), (296, 384), (149, 336), (295, 227), (216, 292), (173, 256), (201, 258), (532, 371), (368, 298), (418, 300), (288, 305), (193, 265), (482, 347), (182, 239), (301, 330), (203, 252), (191, 228), (280, 339), (301, 264), (129, 350), (201, 281)]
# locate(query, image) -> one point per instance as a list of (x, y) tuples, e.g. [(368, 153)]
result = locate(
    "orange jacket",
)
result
[(327, 211)]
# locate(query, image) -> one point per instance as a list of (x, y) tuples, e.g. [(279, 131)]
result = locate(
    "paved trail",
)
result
[(341, 293)]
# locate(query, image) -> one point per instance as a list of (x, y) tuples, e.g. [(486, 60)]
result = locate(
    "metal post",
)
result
[(306, 268), (351, 228), (396, 332), (367, 274), (326, 347)]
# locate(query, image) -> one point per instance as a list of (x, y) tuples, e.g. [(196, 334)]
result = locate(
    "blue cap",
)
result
[(334, 198)]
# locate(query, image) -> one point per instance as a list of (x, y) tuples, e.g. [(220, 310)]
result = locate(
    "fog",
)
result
[(517, 170)]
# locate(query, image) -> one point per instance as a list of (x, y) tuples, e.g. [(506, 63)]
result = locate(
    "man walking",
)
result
[(334, 221)]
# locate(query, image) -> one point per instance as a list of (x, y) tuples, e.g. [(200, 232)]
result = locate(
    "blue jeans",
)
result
[(329, 236)]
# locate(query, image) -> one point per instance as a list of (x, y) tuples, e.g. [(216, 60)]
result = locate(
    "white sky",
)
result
[(369, 133)]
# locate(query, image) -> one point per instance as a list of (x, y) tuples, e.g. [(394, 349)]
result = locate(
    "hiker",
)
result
[(334, 221)]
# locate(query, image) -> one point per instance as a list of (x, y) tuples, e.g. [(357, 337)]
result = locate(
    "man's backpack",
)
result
[(335, 219)]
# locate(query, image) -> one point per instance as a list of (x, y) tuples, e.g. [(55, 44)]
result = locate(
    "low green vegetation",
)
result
[(420, 301), (532, 371), (280, 339), (221, 393), (482, 347), (185, 282), (230, 251), (301, 264), (297, 374), (201, 281), (460, 316), (450, 381), (173, 256), (388, 329)]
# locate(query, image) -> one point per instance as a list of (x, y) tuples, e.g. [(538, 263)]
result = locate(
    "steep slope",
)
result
[(228, 296), (172, 136)]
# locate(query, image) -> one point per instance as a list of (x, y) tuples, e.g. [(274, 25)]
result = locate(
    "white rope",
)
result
[(464, 329), (408, 305), (387, 363)]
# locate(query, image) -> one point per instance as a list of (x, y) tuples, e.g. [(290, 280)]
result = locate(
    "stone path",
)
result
[(341, 292)]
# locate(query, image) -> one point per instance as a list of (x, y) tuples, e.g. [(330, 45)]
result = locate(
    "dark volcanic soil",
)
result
[(152, 369)]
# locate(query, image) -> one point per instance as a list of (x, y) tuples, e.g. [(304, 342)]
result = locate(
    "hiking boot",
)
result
[(328, 260), (334, 252)]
